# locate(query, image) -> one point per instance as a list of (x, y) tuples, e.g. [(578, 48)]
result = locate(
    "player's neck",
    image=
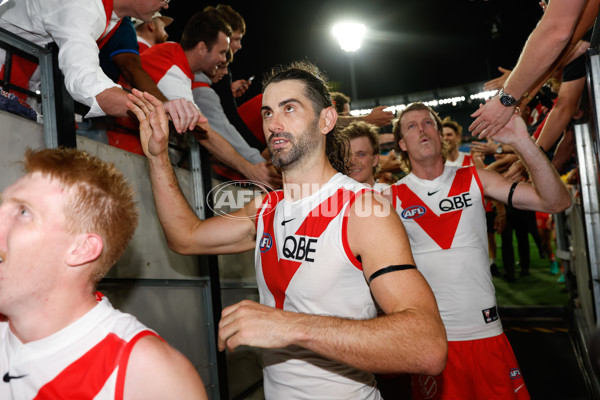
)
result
[(453, 155), (428, 169), (38, 321), (307, 178)]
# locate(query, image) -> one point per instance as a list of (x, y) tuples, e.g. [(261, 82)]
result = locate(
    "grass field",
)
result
[(540, 288)]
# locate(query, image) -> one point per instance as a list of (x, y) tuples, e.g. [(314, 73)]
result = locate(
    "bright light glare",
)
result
[(349, 35)]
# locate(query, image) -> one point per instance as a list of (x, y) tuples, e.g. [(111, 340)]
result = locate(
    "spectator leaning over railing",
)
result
[(80, 28)]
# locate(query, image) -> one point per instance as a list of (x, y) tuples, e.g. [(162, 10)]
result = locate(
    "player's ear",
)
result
[(375, 160), (327, 120), (402, 145), (86, 248)]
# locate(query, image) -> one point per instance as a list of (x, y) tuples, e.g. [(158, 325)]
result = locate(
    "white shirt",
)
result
[(74, 25)]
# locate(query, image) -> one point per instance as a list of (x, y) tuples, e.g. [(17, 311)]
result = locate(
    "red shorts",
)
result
[(484, 369), (541, 219)]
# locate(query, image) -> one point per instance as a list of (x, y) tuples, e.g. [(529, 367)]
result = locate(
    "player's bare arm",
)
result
[(546, 192), (158, 371), (185, 232), (410, 338)]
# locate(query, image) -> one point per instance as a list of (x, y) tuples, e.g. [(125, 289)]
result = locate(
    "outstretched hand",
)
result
[(513, 131), (154, 124), (490, 118), (379, 117), (497, 83)]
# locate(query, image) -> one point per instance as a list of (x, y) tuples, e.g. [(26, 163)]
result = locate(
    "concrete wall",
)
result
[(166, 291)]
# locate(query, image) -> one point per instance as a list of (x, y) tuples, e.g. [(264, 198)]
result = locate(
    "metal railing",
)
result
[(57, 103)]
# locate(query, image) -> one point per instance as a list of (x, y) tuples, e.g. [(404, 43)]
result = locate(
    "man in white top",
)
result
[(442, 209), (89, 23), (62, 227), (321, 255)]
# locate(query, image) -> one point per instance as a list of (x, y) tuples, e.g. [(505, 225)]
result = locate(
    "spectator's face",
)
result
[(451, 137), (421, 137), (160, 34), (221, 72), (35, 246), (236, 41), (363, 160), (217, 55), (386, 143)]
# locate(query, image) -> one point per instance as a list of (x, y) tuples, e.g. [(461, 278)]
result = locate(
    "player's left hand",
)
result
[(252, 324), (154, 125)]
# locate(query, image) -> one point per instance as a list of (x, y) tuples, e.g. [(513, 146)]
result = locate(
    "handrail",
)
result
[(57, 103)]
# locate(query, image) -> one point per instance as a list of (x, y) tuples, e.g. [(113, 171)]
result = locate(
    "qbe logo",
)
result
[(413, 212), (266, 242)]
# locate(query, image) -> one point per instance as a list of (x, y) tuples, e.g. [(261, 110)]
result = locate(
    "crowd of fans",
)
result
[(150, 96)]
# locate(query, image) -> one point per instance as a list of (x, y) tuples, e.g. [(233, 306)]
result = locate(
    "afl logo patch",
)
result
[(265, 242), (413, 212)]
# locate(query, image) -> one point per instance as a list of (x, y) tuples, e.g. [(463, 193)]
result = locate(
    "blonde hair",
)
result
[(398, 135)]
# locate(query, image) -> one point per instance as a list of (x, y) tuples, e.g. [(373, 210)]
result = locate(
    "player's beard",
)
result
[(297, 150)]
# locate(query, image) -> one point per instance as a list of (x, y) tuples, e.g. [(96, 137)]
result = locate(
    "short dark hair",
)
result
[(339, 100), (204, 26), (317, 91), (359, 129), (398, 135), (233, 18)]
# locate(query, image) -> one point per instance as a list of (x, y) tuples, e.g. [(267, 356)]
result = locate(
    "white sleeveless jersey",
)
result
[(463, 160), (446, 226), (80, 361), (304, 264)]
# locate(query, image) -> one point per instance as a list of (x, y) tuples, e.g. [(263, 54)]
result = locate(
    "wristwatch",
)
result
[(506, 99), (499, 149)]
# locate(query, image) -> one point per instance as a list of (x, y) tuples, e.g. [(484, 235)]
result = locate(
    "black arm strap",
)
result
[(510, 193), (390, 268)]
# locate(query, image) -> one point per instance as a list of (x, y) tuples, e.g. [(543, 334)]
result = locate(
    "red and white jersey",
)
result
[(169, 69), (304, 264), (143, 44), (463, 160), (85, 360), (446, 226)]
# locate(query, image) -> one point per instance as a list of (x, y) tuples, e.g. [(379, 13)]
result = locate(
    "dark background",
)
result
[(411, 45)]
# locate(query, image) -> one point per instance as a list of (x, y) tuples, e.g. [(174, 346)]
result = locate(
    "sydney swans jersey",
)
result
[(85, 360), (446, 226), (304, 264), (463, 160)]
